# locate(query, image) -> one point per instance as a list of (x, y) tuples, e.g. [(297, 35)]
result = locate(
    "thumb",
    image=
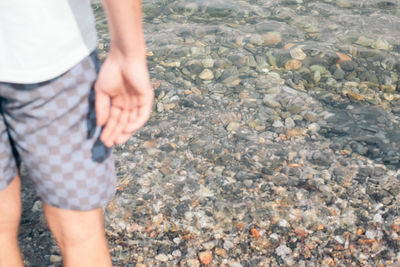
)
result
[(102, 104)]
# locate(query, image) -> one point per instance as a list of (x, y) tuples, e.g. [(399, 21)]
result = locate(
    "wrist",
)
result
[(128, 53)]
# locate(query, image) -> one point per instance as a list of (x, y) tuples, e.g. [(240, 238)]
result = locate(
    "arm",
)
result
[(124, 95)]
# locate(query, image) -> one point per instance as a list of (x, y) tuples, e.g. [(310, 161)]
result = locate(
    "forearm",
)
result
[(125, 26)]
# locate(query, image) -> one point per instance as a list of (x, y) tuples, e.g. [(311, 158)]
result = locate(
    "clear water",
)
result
[(327, 25), (366, 30), (345, 53)]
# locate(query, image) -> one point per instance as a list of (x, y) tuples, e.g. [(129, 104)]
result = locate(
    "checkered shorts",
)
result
[(50, 128)]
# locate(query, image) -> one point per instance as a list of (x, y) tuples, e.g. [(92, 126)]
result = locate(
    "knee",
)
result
[(10, 208), (72, 228), (10, 218)]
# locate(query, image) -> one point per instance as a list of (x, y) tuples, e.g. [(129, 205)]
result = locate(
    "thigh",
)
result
[(53, 125)]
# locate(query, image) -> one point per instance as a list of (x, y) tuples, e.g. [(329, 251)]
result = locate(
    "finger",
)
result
[(143, 114), (122, 138), (102, 106), (110, 126), (132, 118), (119, 128)]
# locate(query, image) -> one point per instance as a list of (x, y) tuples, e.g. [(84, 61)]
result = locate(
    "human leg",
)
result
[(80, 236), (10, 214)]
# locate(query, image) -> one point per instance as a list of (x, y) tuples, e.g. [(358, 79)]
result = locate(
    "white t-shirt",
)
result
[(41, 39)]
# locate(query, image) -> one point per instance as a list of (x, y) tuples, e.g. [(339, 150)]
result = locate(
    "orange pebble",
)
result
[(255, 233), (205, 257), (342, 57)]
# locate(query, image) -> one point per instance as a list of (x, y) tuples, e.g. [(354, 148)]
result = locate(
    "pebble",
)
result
[(381, 44), (193, 263), (339, 74), (228, 245), (370, 234), (208, 62), (55, 259), (256, 39), (314, 127), (177, 240), (297, 53), (283, 223), (310, 116), (205, 257), (196, 91), (272, 38), (220, 252), (197, 51), (206, 74), (293, 64), (270, 101), (289, 123), (317, 76), (177, 253), (277, 124), (364, 41), (344, 3), (209, 245), (283, 250), (318, 68), (160, 107), (37, 206), (274, 236), (162, 257), (378, 218), (233, 126)]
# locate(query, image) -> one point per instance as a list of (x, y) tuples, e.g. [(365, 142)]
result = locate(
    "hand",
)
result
[(124, 97)]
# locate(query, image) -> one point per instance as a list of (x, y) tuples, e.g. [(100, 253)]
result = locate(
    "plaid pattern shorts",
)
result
[(50, 127)]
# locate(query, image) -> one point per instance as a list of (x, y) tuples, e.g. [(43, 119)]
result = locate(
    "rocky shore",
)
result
[(274, 141)]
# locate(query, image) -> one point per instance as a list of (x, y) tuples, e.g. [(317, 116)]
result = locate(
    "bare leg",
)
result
[(10, 215), (80, 236)]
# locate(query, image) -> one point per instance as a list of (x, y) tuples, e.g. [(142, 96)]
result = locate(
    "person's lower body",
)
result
[(51, 128)]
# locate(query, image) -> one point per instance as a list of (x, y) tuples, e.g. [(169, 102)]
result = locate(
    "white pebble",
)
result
[(370, 234), (283, 223), (37, 206), (206, 74), (274, 236), (160, 107), (314, 127), (290, 123), (283, 250), (228, 245), (176, 253), (162, 257), (378, 218), (339, 239), (277, 124)]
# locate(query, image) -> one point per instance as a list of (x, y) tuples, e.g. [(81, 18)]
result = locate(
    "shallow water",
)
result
[(340, 52)]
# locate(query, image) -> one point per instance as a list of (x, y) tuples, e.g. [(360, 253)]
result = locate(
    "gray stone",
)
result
[(339, 74), (289, 123)]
